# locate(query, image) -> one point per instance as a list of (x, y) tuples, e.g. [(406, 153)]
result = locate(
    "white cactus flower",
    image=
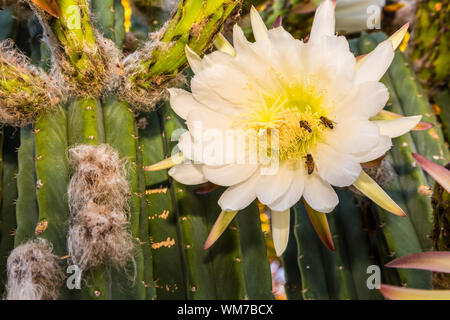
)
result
[(315, 96)]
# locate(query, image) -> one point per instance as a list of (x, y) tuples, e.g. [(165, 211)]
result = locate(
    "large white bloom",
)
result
[(316, 96)]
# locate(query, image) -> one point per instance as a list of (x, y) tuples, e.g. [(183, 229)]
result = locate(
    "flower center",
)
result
[(298, 115)]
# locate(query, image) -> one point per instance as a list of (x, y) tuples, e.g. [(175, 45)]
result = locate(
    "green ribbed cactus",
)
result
[(168, 223), (73, 190)]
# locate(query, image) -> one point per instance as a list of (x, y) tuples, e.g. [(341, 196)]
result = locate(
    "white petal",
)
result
[(240, 195), (271, 187), (201, 119), (258, 26), (375, 63), (240, 42), (293, 194), (319, 194), (338, 169), (383, 146), (368, 99), (228, 175), (397, 127), (323, 23), (182, 102), (195, 62), (187, 174), (188, 148), (280, 230), (353, 136)]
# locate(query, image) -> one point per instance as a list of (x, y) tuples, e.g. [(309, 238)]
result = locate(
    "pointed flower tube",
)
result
[(280, 119)]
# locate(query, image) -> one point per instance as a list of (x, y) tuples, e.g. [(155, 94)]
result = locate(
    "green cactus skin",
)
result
[(257, 272), (144, 236), (338, 272), (293, 285), (325, 274), (192, 220), (168, 260), (442, 99), (27, 212), (52, 172), (9, 197), (353, 237), (312, 269), (104, 12), (441, 237), (85, 122), (121, 135), (431, 42), (226, 254), (195, 24)]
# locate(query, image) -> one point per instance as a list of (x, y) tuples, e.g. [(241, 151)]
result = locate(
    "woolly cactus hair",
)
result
[(25, 91), (98, 199), (99, 176), (99, 235), (33, 272)]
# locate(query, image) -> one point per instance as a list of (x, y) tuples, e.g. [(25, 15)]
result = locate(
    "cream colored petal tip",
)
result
[(221, 43), (194, 60), (219, 227), (166, 163), (397, 127), (374, 192), (397, 38), (280, 230), (259, 28), (388, 115)]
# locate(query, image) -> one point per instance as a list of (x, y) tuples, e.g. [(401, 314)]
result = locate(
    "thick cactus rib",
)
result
[(309, 257), (52, 171), (258, 279), (9, 197), (27, 212), (121, 134), (168, 265)]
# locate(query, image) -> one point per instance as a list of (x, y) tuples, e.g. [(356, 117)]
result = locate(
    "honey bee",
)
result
[(305, 125), (309, 163), (327, 122)]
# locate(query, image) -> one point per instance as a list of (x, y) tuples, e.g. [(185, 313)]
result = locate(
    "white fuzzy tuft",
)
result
[(98, 200), (33, 272)]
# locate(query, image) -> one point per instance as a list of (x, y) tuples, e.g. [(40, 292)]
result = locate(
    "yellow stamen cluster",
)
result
[(294, 103)]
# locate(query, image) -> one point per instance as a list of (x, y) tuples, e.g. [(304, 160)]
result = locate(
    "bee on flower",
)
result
[(312, 102)]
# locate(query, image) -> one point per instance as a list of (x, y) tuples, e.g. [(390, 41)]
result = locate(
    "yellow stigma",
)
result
[(295, 112)]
